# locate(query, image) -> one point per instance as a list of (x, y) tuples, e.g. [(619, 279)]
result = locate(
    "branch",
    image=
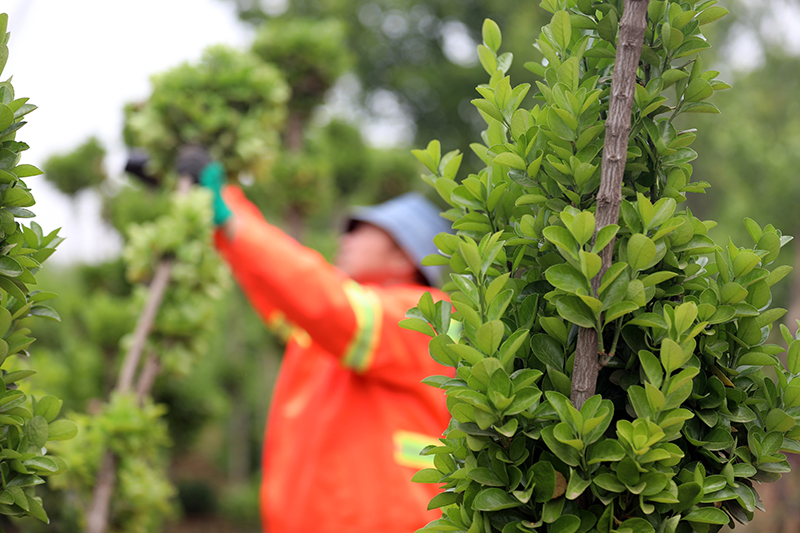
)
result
[(618, 127), (144, 324)]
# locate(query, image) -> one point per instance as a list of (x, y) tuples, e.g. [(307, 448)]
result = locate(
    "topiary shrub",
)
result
[(616, 369), (231, 102)]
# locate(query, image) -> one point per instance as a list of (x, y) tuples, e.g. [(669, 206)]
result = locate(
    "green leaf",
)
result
[(417, 324), (607, 27), (698, 89), (576, 485), (561, 29), (671, 37), (48, 408), (566, 453), (672, 356), (651, 367), (554, 327), (443, 500), (13, 377), (606, 451), (427, 475), (604, 236), (41, 464), (568, 279), (582, 227), (609, 482), (511, 346), (45, 311), (641, 251), (492, 37), (510, 159), (5, 320), (689, 494), (707, 515), (778, 420), (793, 357), (489, 108), (636, 525), (3, 56), (618, 310), (548, 350), (37, 431), (711, 14), (574, 310), (494, 499), (650, 320), (565, 524), (10, 267), (24, 171), (562, 238), (472, 257), (489, 336), (62, 429)]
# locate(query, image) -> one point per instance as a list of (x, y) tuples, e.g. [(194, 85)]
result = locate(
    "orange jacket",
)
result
[(349, 414)]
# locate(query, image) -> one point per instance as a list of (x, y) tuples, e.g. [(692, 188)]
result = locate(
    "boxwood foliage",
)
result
[(27, 423), (694, 406)]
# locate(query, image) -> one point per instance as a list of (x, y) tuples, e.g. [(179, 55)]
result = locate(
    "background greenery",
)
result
[(392, 54)]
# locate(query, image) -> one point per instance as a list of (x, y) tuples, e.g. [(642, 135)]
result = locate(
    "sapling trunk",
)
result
[(618, 126), (97, 516)]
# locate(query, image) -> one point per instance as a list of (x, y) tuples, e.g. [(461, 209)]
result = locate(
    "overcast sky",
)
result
[(80, 62)]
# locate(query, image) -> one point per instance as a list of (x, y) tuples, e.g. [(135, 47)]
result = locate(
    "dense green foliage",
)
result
[(694, 406), (230, 102), (27, 422)]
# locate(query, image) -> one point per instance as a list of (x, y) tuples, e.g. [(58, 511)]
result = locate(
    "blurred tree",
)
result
[(418, 58), (79, 169), (312, 54), (756, 147)]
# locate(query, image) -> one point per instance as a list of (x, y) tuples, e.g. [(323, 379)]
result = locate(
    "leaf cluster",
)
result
[(182, 234), (688, 418), (26, 425), (138, 435)]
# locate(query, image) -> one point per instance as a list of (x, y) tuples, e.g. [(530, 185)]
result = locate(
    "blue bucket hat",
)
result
[(413, 222)]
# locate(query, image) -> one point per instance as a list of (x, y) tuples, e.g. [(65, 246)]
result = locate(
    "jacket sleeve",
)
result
[(355, 323), (279, 275)]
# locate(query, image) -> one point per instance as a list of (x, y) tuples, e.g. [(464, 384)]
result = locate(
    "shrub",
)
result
[(614, 372), (26, 424)]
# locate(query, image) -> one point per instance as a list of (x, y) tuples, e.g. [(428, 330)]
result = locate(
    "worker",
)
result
[(349, 415)]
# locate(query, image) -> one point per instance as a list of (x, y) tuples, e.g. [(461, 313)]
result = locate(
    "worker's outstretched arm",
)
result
[(284, 279), (276, 272)]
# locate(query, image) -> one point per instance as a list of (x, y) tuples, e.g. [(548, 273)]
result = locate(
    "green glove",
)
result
[(212, 177)]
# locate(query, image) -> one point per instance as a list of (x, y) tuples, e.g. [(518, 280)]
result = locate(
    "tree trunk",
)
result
[(618, 126)]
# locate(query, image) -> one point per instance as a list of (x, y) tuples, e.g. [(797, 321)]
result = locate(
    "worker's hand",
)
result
[(194, 161)]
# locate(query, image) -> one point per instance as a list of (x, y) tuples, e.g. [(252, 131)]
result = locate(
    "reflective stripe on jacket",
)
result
[(349, 415)]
